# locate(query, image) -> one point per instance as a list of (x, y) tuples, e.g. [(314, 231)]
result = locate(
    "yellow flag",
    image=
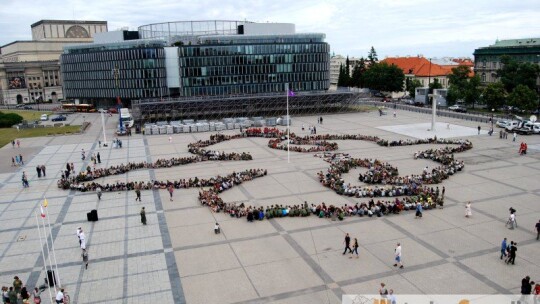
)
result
[(45, 203)]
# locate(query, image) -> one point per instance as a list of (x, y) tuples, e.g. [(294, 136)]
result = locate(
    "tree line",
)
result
[(515, 85), (370, 73)]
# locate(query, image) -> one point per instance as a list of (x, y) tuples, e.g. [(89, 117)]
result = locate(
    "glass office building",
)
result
[(196, 59), (254, 64), (131, 70)]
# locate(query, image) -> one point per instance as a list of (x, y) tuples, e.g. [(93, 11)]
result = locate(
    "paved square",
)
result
[(177, 258)]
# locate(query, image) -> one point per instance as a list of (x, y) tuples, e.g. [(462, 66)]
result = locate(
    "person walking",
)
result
[(514, 136), (18, 143), (418, 210), (171, 190), (84, 255), (468, 211), (82, 238), (512, 220), (17, 284), (83, 155), (347, 242), (79, 230), (13, 144), (383, 292), (21, 159), (512, 255), (479, 130), (25, 180), (138, 194), (526, 289), (217, 229), (43, 170), (537, 230), (397, 254), (13, 161), (355, 249), (98, 191), (60, 296), (98, 158), (504, 248), (38, 169), (143, 216), (37, 295)]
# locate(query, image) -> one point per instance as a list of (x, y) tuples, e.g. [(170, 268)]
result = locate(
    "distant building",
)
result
[(197, 59), (30, 69), (335, 62), (488, 59)]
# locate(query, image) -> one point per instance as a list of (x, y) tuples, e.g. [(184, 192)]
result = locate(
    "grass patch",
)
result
[(363, 108), (26, 114), (9, 134)]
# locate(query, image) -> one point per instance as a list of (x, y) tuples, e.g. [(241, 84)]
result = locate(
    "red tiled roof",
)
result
[(418, 66)]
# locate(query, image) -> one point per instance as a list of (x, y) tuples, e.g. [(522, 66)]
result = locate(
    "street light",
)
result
[(492, 113)]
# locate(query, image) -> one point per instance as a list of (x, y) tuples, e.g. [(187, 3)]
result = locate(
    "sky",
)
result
[(431, 28)]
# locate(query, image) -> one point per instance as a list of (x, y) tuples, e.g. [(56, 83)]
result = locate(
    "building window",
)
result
[(484, 63), (483, 77)]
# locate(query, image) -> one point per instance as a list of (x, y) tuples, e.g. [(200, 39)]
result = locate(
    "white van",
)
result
[(44, 117), (511, 125)]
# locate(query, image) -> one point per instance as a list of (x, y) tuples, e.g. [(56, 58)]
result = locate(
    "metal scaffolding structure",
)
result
[(218, 107)]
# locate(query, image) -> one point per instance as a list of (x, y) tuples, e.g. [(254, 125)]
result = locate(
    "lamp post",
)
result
[(492, 113), (116, 74)]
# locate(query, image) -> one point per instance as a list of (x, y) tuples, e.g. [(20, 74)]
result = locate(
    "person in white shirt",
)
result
[(60, 296), (512, 220), (82, 238), (79, 230), (392, 297), (398, 256), (217, 230)]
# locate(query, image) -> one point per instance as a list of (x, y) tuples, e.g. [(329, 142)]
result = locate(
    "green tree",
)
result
[(434, 85), (462, 86), (384, 77), (372, 57), (514, 73), (411, 85), (472, 91), (341, 76), (523, 98), (494, 95), (358, 69)]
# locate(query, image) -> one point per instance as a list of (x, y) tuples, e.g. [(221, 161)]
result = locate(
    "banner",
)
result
[(439, 299)]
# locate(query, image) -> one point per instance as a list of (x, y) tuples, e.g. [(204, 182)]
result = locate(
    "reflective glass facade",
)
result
[(252, 65), (89, 73)]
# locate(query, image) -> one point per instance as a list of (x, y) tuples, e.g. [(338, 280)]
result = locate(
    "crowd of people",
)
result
[(18, 293), (17, 160), (386, 180)]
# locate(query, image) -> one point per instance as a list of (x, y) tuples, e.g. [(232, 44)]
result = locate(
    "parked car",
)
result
[(536, 128), (458, 108), (27, 107), (59, 118), (44, 117), (502, 123)]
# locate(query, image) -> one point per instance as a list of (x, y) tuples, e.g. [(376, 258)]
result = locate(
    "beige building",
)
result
[(30, 69), (335, 62)]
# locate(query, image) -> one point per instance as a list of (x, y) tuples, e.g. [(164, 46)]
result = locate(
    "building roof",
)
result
[(418, 66), (67, 22), (517, 42)]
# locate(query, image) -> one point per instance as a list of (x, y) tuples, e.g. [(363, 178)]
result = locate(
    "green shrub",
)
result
[(10, 119)]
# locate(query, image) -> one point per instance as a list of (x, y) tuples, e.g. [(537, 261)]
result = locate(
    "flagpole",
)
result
[(288, 128), (52, 245), (49, 253), (42, 251)]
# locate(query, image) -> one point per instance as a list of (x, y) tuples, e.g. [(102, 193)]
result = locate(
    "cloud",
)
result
[(439, 28)]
